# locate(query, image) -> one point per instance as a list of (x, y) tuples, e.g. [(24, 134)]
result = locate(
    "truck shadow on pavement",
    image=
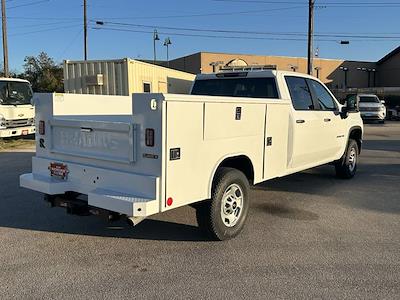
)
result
[(282, 197), (43, 218), (24, 209), (374, 188)]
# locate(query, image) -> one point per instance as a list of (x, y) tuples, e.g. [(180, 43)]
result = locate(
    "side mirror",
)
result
[(344, 113), (350, 105), (383, 101)]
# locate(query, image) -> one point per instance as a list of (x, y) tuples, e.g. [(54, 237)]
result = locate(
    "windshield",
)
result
[(237, 87), (364, 99), (15, 93)]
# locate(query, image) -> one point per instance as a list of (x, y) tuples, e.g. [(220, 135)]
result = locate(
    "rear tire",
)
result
[(346, 167), (224, 216)]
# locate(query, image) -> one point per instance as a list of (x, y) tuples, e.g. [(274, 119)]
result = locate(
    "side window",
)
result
[(324, 99), (300, 93), (146, 87)]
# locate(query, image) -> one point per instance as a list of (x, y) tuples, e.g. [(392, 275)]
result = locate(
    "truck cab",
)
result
[(135, 156), (17, 114)]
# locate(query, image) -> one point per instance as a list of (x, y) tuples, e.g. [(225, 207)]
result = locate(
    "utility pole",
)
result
[(85, 29), (4, 28), (310, 36)]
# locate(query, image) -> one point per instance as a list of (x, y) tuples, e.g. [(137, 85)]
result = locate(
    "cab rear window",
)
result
[(237, 87)]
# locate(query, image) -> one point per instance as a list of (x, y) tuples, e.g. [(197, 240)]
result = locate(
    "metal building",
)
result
[(123, 77)]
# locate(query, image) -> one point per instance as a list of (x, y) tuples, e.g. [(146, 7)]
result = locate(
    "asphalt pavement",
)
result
[(310, 235)]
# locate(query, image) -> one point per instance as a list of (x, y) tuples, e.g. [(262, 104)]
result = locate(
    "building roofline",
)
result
[(280, 56), (121, 60), (389, 55)]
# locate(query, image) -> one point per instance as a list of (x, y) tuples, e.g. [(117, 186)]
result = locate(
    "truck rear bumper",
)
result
[(17, 131), (130, 194)]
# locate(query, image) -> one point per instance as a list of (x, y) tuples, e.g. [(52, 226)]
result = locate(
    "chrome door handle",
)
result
[(300, 121), (327, 120)]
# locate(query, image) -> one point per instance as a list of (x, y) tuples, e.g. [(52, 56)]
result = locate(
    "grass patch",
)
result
[(16, 143)]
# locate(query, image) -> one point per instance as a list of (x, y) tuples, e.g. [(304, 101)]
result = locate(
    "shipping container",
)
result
[(123, 77)]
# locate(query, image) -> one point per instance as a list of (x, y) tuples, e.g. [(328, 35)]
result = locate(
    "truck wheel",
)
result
[(346, 167), (223, 217)]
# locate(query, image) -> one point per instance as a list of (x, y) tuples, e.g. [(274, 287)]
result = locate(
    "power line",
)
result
[(203, 35), (42, 24), (44, 30), (228, 37), (356, 36), (28, 4), (42, 18), (322, 3), (207, 14), (71, 43)]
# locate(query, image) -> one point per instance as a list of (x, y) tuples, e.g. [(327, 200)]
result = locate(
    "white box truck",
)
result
[(16, 111), (238, 128)]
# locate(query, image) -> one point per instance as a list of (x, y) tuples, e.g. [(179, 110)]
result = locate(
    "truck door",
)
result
[(306, 147), (330, 120)]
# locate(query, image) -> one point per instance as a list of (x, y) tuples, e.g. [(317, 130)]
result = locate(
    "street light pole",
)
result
[(345, 70), (167, 42), (5, 45), (155, 38), (310, 36)]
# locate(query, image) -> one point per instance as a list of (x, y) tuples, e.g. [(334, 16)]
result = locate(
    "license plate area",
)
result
[(58, 170), (25, 132)]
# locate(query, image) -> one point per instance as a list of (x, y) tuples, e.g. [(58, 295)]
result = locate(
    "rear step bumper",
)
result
[(110, 190)]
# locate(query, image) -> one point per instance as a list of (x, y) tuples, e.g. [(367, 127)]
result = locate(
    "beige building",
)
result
[(336, 73), (123, 77)]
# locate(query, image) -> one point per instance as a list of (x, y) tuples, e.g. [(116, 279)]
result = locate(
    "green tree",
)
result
[(43, 73)]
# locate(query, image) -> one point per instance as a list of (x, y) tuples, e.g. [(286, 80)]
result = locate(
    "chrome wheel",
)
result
[(352, 159), (231, 205)]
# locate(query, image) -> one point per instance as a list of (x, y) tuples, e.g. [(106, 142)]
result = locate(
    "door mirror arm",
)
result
[(344, 113)]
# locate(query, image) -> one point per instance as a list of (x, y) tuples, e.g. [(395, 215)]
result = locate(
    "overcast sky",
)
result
[(259, 27)]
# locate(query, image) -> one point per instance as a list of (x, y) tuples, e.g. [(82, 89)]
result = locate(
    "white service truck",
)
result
[(141, 155), (17, 114)]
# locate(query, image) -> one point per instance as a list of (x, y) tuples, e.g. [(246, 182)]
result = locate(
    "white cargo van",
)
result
[(16, 111), (238, 128)]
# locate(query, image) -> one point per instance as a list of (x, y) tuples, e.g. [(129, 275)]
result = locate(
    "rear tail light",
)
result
[(149, 137), (170, 201), (42, 129)]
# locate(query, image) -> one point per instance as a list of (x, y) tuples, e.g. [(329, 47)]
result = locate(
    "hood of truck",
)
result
[(18, 112)]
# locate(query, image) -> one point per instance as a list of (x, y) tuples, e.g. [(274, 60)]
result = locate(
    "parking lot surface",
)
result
[(310, 235)]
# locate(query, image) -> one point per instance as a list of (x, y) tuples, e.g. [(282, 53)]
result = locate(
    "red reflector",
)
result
[(42, 130), (169, 201), (149, 137)]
